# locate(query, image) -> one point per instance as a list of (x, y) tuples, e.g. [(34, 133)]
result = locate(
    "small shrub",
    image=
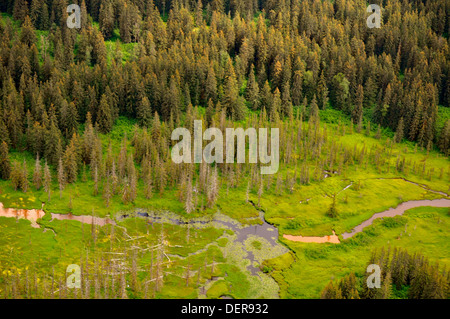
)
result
[(332, 211), (394, 222), (266, 269), (292, 224), (256, 244)]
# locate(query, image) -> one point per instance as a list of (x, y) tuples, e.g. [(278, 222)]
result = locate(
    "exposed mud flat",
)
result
[(34, 214), (85, 219), (30, 214), (334, 239)]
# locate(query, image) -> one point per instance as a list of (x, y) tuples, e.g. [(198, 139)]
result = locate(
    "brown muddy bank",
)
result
[(30, 214), (399, 210), (85, 219), (392, 212), (334, 239), (34, 214)]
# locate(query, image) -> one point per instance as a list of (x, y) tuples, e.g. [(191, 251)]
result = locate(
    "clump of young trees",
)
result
[(399, 270)]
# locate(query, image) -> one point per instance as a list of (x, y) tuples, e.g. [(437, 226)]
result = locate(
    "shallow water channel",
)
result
[(264, 230), (399, 210)]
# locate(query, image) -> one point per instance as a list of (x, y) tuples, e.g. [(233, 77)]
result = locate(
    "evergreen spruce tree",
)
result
[(211, 85), (266, 97), (36, 12), (28, 34), (331, 291), (5, 164), (104, 115), (340, 92), (286, 102), (322, 92), (47, 180), (297, 88), (45, 19), (314, 112), (106, 19), (70, 163), (20, 10), (61, 177), (276, 106), (16, 176), (444, 140), (252, 90), (332, 211), (37, 174), (144, 112), (209, 113), (357, 115), (231, 100), (399, 133), (24, 178)]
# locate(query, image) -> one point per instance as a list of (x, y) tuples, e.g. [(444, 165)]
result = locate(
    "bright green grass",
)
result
[(300, 274), (25, 248), (218, 289), (127, 50), (317, 264), (354, 205)]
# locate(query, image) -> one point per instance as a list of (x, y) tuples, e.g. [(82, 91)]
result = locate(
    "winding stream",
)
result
[(242, 237), (399, 210), (263, 230)]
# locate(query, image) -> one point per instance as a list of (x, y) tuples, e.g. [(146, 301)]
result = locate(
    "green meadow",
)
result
[(211, 264), (312, 266)]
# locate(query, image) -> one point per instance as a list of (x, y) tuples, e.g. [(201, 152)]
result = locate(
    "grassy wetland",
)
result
[(88, 180), (205, 260)]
